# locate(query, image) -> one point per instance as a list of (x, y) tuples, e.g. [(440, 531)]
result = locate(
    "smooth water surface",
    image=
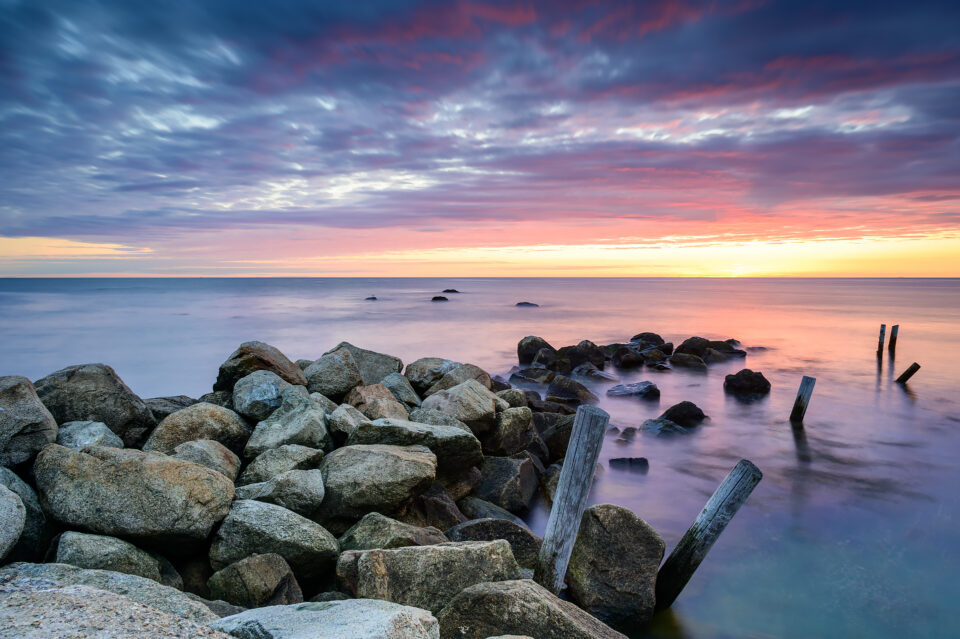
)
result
[(853, 530)]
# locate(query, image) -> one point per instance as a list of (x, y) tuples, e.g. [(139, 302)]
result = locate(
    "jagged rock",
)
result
[(373, 366), (520, 607), (513, 433), (220, 398), (436, 418), (470, 402), (199, 421), (324, 403), (508, 482), (525, 545), (687, 414), (642, 390), (378, 531), (460, 484), (567, 390), (433, 507), (514, 396), (476, 508), (528, 347), (130, 493), (258, 394), (454, 448), (210, 454), (361, 395), (747, 384), (161, 407), (384, 409), (342, 421), (36, 533), (334, 375), (275, 461), (401, 388), (257, 356), (26, 425), (350, 619), (106, 553), (457, 375), (79, 435), (424, 372), (256, 527), (13, 516), (258, 580), (300, 491), (613, 567), (298, 420)]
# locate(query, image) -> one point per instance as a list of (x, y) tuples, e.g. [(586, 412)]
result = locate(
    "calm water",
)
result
[(853, 530)]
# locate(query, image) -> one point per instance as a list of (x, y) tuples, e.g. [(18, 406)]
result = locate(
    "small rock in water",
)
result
[(527, 305), (450, 290), (643, 390), (372, 298), (633, 464), (439, 298), (686, 414), (589, 370), (747, 384), (661, 426)]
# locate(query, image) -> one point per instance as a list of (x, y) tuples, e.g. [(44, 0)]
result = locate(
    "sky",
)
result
[(574, 138)]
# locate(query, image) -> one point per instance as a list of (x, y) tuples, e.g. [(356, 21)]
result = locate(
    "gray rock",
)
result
[(437, 418), (303, 364), (529, 346), (643, 390), (257, 356), (326, 404), (470, 402), (524, 544), (106, 553), (378, 531), (401, 388), (161, 407), (476, 508), (454, 448), (424, 372), (349, 619), (253, 527), (79, 435), (199, 421), (457, 375), (210, 454), (258, 394), (384, 409), (140, 589), (613, 567), (508, 482), (373, 366), (334, 375), (513, 396), (687, 414), (514, 432), (26, 425), (550, 480), (661, 426), (258, 580), (342, 421), (297, 420), (130, 493), (520, 607), (13, 516), (564, 389), (298, 490), (37, 531), (94, 392), (220, 398), (271, 463)]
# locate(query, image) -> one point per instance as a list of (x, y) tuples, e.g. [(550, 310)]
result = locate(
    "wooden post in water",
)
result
[(907, 374), (893, 338), (697, 541), (573, 487), (883, 332), (803, 399)]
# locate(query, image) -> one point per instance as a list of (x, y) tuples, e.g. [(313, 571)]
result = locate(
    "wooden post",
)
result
[(803, 399), (893, 338), (573, 487), (696, 543), (907, 374), (883, 332)]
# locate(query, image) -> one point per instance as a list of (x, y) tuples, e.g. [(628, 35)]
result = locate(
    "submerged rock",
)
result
[(747, 384), (439, 298), (687, 360), (643, 390), (527, 305), (256, 356), (199, 421), (686, 414), (79, 435), (661, 426)]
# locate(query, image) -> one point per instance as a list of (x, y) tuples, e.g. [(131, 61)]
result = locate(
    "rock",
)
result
[(693, 346), (38, 609), (626, 358), (300, 491), (527, 305), (686, 360), (106, 553), (439, 298), (613, 567), (476, 508), (436, 418), (384, 409), (470, 402), (429, 576), (79, 435), (520, 607), (585, 351), (508, 482), (140, 589), (366, 478), (661, 426), (424, 372), (210, 454), (161, 407), (457, 375), (434, 507), (557, 437), (362, 395), (687, 414), (378, 531), (567, 390), (254, 527), (455, 448), (334, 375), (401, 389), (199, 421), (258, 580), (450, 290), (590, 371), (712, 356), (13, 516), (303, 364), (638, 464), (298, 420), (324, 403), (728, 348), (331, 595), (130, 493), (550, 480), (26, 425), (220, 398), (342, 421), (513, 433), (524, 544), (655, 358), (36, 533), (747, 384), (514, 396), (461, 483), (373, 366), (648, 338), (545, 357), (258, 394), (528, 347), (642, 390), (349, 619), (257, 356), (533, 376), (275, 461)]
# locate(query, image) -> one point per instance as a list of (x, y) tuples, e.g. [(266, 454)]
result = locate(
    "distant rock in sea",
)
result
[(450, 290), (372, 298), (439, 298), (527, 305)]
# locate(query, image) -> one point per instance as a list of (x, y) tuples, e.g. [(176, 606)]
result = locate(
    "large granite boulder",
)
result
[(257, 356), (199, 421), (258, 580), (210, 454), (524, 544), (379, 531), (253, 527), (79, 435), (520, 607), (130, 493), (106, 553), (437, 418), (457, 375), (470, 402), (297, 420), (161, 407), (529, 346), (747, 384), (37, 531), (258, 394), (271, 463), (301, 491), (373, 366), (342, 421), (508, 482), (347, 619), (424, 372), (375, 478), (94, 392), (476, 508), (26, 425), (613, 567), (454, 448), (334, 375), (433, 507), (13, 516), (402, 389)]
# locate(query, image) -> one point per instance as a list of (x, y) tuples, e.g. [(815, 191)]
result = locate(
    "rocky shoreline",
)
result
[(345, 496)]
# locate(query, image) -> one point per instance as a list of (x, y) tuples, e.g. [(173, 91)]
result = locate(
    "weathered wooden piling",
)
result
[(803, 399), (883, 332), (907, 374), (892, 347), (573, 487), (700, 537)]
